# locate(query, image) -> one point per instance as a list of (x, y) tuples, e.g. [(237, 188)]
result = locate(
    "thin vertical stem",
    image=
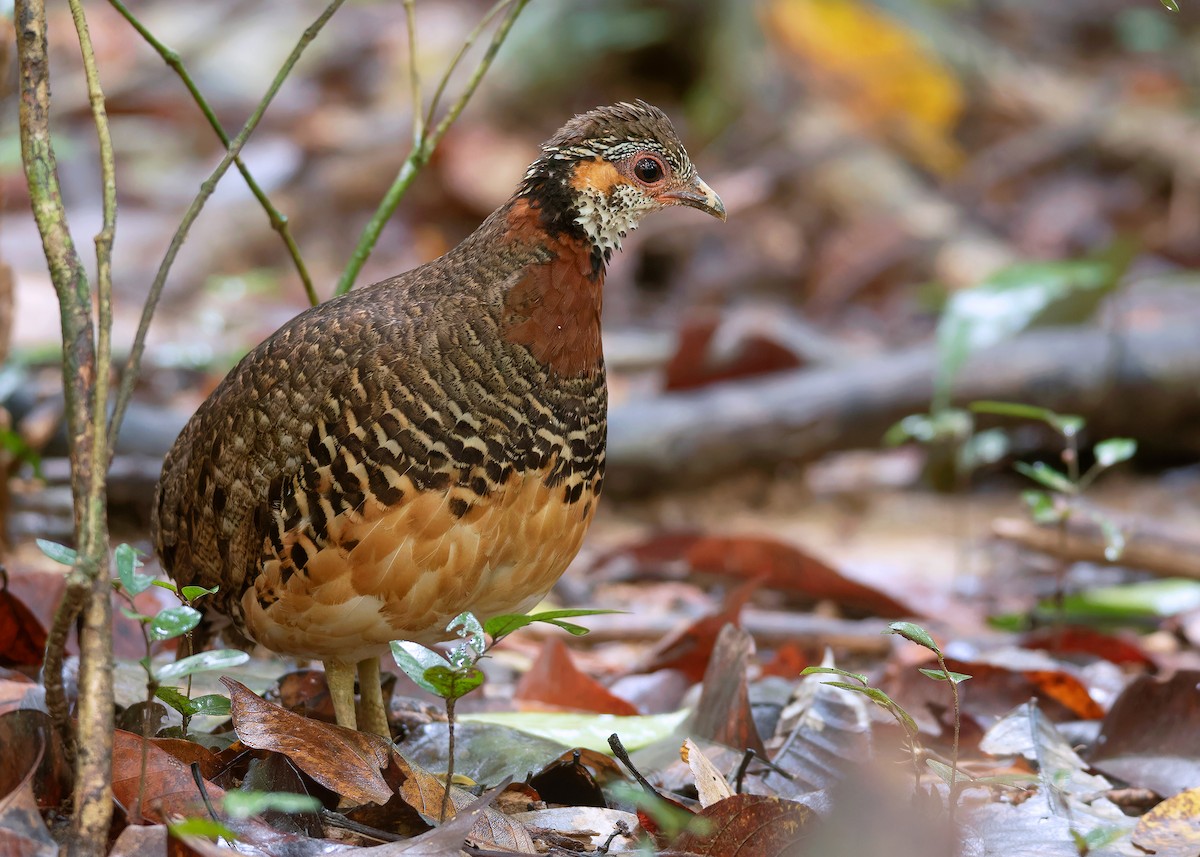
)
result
[(414, 75)]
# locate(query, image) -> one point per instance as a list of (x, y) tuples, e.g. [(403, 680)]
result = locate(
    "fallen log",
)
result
[(1142, 383)]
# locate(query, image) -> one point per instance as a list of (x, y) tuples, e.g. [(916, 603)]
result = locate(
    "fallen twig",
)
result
[(1148, 546)]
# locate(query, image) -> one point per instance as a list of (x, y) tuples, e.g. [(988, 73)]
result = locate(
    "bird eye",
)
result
[(648, 170)]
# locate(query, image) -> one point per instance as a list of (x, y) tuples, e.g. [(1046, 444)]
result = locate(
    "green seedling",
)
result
[(455, 674), (858, 683)]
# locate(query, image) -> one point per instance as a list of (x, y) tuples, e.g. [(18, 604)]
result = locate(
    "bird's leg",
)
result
[(374, 713), (340, 678)]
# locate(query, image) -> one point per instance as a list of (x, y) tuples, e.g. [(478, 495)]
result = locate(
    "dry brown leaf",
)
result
[(423, 792), (168, 787), (748, 826), (723, 713), (343, 760)]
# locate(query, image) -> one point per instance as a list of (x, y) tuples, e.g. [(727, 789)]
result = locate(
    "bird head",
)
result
[(608, 168)]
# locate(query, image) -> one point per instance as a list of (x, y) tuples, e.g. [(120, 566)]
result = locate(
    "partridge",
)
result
[(430, 444)]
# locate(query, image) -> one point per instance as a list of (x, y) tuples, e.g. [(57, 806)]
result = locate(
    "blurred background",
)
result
[(931, 202)]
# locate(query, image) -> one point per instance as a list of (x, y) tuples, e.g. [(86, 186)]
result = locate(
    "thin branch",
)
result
[(66, 270), (206, 189), (421, 152), (279, 221), (414, 76), (467, 44), (74, 300), (104, 245)]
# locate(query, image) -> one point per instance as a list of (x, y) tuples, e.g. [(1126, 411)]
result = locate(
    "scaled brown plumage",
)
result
[(429, 444)]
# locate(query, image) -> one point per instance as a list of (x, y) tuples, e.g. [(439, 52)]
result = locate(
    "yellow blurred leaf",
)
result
[(1171, 829), (852, 52)]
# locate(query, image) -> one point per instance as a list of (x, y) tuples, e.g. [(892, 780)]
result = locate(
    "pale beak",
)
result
[(697, 195)]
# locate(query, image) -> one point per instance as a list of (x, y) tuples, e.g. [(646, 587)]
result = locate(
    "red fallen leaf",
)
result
[(787, 661), (748, 826), (1010, 686), (41, 591), (994, 688), (554, 679), (347, 762), (169, 787), (22, 637), (713, 349), (1087, 641), (1067, 690), (775, 564), (189, 752), (690, 649)]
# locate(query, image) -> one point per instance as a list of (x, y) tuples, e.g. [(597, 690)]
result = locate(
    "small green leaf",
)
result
[(210, 705), (502, 626), (168, 585), (984, 448), (1014, 299), (1114, 536), (174, 622), (881, 699), (1065, 424), (1042, 507), (914, 634), (127, 562), (580, 729), (172, 697), (569, 627), (918, 427), (415, 659), (130, 613), (1014, 409), (451, 683), (191, 593), (943, 675), (1046, 476), (467, 626), (1114, 450), (59, 553), (205, 827), (1171, 5), (218, 659), (947, 773), (858, 677), (244, 804)]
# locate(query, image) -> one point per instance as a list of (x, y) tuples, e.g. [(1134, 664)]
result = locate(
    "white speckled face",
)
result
[(607, 217)]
